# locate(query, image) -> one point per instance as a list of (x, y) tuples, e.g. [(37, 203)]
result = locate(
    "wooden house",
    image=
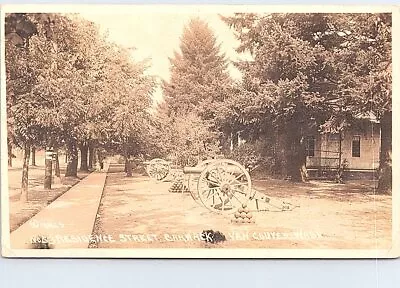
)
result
[(356, 148)]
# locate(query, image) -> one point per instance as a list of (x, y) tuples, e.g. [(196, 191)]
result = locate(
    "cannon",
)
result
[(222, 186), (193, 174), (158, 169)]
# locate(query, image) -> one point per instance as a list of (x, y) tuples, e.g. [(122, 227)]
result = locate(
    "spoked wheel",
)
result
[(224, 186), (194, 179), (158, 169)]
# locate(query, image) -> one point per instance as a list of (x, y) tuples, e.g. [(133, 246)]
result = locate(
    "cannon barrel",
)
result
[(198, 170), (192, 170), (149, 162)]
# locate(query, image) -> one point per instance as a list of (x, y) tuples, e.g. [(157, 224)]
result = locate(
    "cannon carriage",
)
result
[(161, 170), (158, 169), (221, 185)]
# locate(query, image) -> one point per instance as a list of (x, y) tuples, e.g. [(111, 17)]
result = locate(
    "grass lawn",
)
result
[(38, 197)]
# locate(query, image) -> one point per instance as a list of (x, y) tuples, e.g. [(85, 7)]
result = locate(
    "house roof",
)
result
[(369, 115)]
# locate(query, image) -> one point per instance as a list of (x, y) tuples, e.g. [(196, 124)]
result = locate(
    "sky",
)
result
[(157, 36)]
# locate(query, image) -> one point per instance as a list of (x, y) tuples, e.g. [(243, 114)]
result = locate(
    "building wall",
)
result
[(326, 151), (315, 161), (327, 146), (369, 148)]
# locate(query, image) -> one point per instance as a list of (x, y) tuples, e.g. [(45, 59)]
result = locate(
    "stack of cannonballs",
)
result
[(243, 216), (178, 187)]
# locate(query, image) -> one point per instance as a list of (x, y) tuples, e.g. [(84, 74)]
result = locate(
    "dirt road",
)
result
[(136, 213)]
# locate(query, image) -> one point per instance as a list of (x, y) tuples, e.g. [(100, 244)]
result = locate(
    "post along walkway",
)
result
[(68, 221)]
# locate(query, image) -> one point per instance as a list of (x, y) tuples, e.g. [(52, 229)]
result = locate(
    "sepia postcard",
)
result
[(199, 131)]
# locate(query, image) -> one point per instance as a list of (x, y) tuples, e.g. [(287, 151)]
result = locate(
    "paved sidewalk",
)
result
[(68, 221)]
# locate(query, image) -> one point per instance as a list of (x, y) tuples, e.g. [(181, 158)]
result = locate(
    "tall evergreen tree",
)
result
[(199, 80), (198, 72)]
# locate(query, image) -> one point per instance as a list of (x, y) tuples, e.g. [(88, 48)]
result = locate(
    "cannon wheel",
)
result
[(224, 186), (158, 169), (193, 179)]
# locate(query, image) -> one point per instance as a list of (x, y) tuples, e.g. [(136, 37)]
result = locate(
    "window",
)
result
[(355, 146), (310, 146)]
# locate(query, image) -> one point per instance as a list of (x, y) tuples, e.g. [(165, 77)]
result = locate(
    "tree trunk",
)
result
[(225, 140), (235, 140), (84, 157), (25, 168), (72, 156), (129, 167), (280, 166), (91, 156), (96, 158), (48, 170), (57, 164), (295, 153), (10, 154), (128, 163), (33, 160), (100, 158), (385, 156)]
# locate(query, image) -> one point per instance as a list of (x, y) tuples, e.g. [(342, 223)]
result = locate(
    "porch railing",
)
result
[(322, 162)]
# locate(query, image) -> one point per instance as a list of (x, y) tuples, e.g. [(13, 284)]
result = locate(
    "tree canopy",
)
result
[(307, 70), (68, 86)]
